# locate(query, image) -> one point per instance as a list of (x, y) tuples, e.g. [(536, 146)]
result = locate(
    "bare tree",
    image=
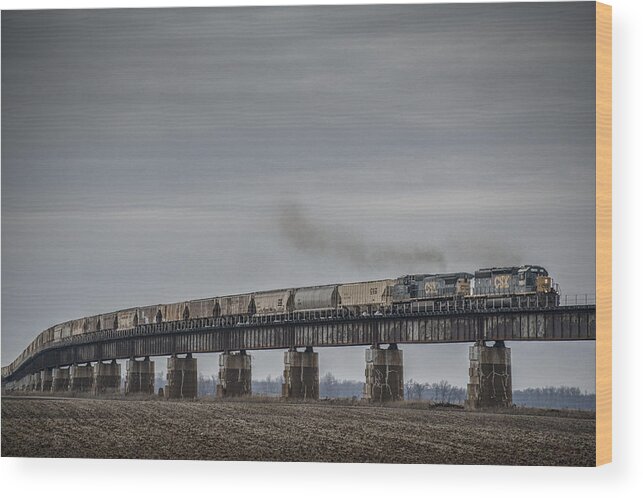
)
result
[(409, 388), (419, 388)]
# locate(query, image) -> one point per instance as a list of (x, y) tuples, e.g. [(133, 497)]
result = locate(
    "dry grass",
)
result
[(285, 431)]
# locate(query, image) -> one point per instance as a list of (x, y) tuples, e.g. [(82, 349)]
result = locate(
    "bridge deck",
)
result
[(210, 335)]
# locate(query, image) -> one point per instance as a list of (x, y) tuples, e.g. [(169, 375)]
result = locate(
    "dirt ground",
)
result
[(278, 431)]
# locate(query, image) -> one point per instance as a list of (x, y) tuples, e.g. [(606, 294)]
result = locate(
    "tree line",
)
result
[(439, 392), (555, 397)]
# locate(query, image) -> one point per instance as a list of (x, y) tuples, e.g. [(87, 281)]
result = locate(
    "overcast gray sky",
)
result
[(164, 154)]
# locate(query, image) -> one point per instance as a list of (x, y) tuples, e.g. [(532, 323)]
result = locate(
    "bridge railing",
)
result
[(578, 300)]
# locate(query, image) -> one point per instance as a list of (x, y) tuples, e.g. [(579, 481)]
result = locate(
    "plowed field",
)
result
[(278, 431)]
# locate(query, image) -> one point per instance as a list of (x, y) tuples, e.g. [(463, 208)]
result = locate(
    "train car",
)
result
[(273, 302), (126, 319), (65, 330), (366, 296), (49, 335), (78, 326), (150, 314), (202, 308), (175, 311), (512, 280), (445, 285), (239, 304), (108, 321), (92, 324), (57, 332), (325, 297)]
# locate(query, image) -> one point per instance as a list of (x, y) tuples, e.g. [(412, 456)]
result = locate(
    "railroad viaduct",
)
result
[(88, 362)]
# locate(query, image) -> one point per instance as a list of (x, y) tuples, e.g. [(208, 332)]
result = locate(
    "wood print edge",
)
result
[(603, 233)]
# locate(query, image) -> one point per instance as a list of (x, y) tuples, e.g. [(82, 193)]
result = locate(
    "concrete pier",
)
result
[(489, 376), (107, 377), (384, 374), (46, 379), (140, 376), (181, 378), (60, 380), (35, 382), (81, 378), (235, 375), (301, 374)]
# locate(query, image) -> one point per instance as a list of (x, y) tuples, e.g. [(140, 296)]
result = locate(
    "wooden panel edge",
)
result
[(603, 233)]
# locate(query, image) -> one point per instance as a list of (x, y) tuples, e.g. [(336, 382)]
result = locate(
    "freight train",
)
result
[(518, 286)]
